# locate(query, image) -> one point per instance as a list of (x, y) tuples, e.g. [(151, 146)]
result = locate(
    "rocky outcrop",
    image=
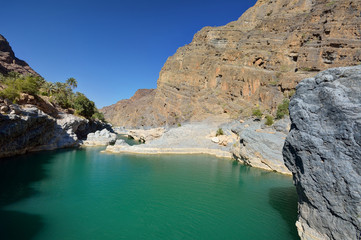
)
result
[(254, 61), (323, 151), (100, 138), (26, 129), (10, 63), (143, 136), (259, 145)]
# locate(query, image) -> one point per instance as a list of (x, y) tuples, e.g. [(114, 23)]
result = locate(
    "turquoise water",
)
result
[(84, 194), (128, 140)]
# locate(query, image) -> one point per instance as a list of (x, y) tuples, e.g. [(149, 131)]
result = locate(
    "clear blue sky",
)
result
[(111, 47)]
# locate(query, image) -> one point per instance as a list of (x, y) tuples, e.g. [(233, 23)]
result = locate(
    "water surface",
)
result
[(84, 194)]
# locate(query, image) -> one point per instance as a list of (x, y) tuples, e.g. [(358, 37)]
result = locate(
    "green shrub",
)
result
[(269, 120), (282, 109), (10, 93), (179, 125), (98, 116), (30, 84), (257, 113), (219, 132), (83, 106), (16, 84)]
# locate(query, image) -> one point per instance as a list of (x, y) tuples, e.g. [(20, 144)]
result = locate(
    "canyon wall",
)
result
[(253, 62), (323, 152)]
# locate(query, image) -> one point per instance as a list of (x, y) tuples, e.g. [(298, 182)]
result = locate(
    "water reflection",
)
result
[(17, 174), (284, 200)]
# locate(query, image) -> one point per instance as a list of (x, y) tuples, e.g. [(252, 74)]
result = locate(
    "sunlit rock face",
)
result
[(10, 63), (254, 61), (323, 151)]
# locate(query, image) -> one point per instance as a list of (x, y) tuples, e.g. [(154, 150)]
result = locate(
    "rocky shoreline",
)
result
[(250, 142), (26, 128)]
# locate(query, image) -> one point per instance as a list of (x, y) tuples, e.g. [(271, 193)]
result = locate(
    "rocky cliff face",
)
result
[(8, 61), (323, 151), (26, 129), (254, 61)]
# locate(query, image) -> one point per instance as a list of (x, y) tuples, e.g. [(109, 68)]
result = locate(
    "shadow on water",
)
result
[(17, 174), (284, 200)]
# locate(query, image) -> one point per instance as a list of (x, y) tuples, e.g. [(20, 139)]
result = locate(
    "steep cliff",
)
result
[(8, 61), (323, 151), (254, 61)]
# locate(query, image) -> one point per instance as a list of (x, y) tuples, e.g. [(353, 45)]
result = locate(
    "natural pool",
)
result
[(84, 194)]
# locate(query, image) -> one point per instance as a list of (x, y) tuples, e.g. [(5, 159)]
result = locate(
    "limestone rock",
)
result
[(34, 130), (101, 138), (323, 151), (4, 108), (10, 63), (254, 61), (143, 135), (121, 142), (259, 147), (215, 140)]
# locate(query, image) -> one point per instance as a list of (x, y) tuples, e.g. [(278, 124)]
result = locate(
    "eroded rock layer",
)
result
[(323, 151), (254, 61), (10, 63)]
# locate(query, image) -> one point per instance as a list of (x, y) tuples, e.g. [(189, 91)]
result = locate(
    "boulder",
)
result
[(4, 109), (259, 147), (100, 138), (323, 151), (121, 142), (7, 101)]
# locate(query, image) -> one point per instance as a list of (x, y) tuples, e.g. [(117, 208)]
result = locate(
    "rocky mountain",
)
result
[(255, 61), (10, 63), (323, 151)]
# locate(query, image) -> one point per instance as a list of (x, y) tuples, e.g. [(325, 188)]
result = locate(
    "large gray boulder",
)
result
[(27, 129), (261, 146), (100, 138), (323, 151)]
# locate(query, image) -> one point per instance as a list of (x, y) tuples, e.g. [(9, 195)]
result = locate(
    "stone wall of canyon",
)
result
[(255, 61)]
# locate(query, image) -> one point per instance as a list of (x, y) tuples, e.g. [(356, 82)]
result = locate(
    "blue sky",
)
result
[(111, 47)]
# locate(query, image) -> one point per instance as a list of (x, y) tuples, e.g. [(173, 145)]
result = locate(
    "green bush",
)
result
[(282, 109), (30, 84), (16, 84), (98, 116), (219, 132), (257, 113), (269, 120), (10, 93), (83, 106)]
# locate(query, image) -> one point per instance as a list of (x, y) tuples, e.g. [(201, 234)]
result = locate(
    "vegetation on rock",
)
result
[(269, 120), (60, 94), (282, 109), (257, 113), (219, 132)]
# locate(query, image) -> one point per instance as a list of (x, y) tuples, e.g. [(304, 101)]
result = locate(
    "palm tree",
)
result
[(48, 88), (72, 82)]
